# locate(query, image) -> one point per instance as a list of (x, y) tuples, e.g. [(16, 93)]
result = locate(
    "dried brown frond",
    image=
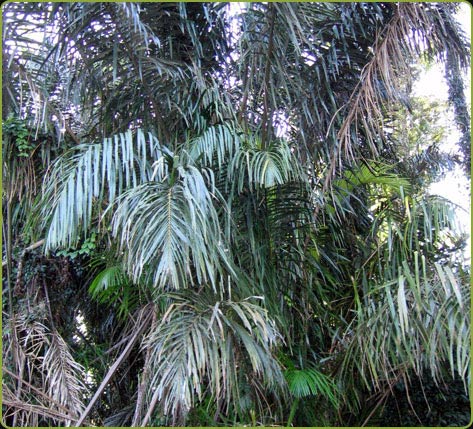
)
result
[(30, 414), (415, 29), (63, 376), (44, 381)]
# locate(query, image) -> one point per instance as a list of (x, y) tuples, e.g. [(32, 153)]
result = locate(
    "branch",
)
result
[(111, 372), (27, 249)]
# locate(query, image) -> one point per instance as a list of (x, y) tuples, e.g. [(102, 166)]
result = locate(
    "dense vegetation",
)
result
[(220, 215)]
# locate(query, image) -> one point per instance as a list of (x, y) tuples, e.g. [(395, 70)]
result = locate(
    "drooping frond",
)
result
[(264, 167), (170, 229), (89, 179), (415, 322), (49, 382), (93, 69), (216, 146), (209, 338), (413, 31), (410, 296), (423, 224), (63, 376)]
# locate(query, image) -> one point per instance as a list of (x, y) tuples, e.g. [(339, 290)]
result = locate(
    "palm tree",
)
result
[(227, 187)]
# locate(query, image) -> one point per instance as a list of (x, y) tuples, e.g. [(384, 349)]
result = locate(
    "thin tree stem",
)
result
[(8, 251), (266, 116), (48, 303), (111, 372), (244, 101)]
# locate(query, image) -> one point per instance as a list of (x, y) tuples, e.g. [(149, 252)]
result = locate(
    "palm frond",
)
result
[(86, 179), (111, 286), (132, 14), (369, 179), (216, 145), (28, 413), (264, 167), (372, 173), (425, 224), (63, 376), (411, 32), (49, 383), (311, 382), (414, 322), (171, 228), (196, 340)]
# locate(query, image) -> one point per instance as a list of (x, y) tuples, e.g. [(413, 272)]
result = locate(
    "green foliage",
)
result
[(87, 247), (263, 167), (247, 232), (112, 287), (310, 382), (222, 341), (86, 176), (410, 323), (176, 220), (17, 130)]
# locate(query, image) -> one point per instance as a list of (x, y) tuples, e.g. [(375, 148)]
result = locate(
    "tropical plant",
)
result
[(232, 213)]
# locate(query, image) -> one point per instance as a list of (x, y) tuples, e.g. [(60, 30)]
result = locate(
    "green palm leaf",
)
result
[(263, 168), (197, 339), (310, 382), (216, 145), (88, 178), (171, 230), (111, 286), (414, 322)]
